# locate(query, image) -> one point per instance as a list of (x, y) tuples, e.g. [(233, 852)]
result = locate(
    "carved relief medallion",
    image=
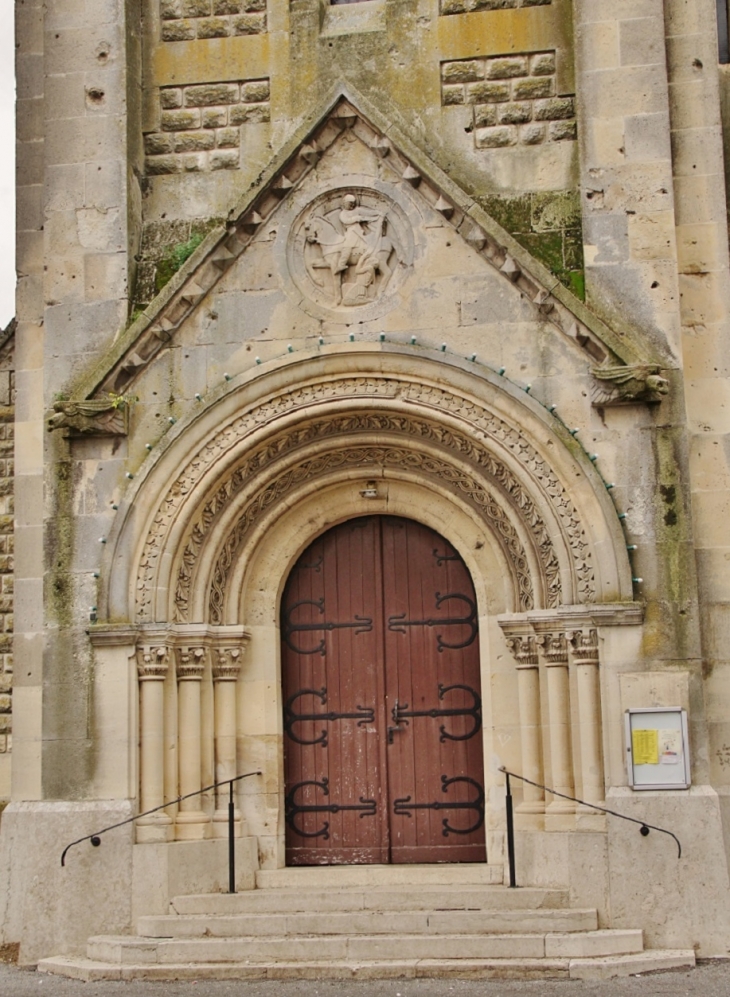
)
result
[(349, 248)]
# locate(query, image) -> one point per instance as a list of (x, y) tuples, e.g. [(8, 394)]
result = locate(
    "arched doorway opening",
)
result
[(382, 699)]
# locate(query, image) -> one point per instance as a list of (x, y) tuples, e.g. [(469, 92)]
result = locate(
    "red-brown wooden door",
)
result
[(382, 717)]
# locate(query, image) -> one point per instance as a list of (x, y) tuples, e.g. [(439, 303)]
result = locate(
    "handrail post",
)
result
[(510, 835), (231, 841)]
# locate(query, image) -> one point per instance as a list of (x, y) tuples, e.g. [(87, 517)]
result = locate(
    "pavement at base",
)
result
[(709, 979)]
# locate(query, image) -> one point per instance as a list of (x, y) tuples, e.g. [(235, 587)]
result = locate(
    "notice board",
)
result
[(657, 748)]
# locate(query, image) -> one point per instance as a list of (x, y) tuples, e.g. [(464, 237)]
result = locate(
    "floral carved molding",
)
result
[(478, 422)]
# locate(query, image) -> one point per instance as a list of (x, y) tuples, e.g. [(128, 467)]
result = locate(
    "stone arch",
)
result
[(454, 426)]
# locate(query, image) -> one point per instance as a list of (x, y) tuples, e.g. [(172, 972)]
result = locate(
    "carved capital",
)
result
[(152, 661), (523, 649), (585, 646), (190, 662), (106, 417), (627, 385), (554, 648), (227, 662)]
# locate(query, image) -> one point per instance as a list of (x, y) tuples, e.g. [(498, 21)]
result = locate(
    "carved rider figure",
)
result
[(355, 238)]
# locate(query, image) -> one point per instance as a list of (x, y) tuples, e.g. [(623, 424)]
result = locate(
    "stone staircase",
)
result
[(371, 922)]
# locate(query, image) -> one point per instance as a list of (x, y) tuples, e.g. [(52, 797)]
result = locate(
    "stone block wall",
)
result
[(199, 125), (461, 6), (7, 547), (514, 98), (185, 20)]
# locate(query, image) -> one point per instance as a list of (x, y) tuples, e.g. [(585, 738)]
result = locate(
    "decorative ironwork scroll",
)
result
[(364, 715), (403, 807), (474, 711), (292, 809), (361, 625), (398, 623)]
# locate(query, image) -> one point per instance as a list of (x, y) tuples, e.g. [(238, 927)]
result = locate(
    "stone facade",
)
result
[(284, 267)]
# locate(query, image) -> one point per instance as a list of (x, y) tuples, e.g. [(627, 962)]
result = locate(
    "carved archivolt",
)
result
[(512, 490), (481, 423)]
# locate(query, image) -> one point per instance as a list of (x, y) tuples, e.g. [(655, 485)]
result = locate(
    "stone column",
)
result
[(585, 659), (192, 822), (555, 650), (152, 666), (226, 669), (524, 651)]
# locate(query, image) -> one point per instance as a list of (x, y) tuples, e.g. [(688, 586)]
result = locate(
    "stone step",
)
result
[(136, 950), (322, 877), (282, 901), (411, 922), (90, 971)]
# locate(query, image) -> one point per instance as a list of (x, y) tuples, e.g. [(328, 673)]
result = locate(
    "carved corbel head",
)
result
[(627, 385)]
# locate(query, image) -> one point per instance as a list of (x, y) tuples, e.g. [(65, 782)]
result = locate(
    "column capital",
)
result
[(227, 659), (152, 661), (554, 647), (523, 649), (190, 661), (584, 644)]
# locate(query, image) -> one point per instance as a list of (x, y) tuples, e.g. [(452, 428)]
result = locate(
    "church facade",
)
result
[(371, 438)]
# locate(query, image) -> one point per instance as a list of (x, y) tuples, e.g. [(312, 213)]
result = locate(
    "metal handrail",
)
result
[(95, 838), (644, 827)]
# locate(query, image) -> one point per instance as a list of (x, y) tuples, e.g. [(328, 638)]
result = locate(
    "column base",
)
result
[(588, 819), (155, 828), (192, 825), (530, 807), (220, 824), (560, 816)]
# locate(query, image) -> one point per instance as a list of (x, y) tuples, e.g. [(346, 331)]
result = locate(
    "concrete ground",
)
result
[(707, 980)]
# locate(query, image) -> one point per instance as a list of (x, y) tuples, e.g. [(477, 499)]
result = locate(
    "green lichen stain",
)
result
[(171, 262), (548, 225)]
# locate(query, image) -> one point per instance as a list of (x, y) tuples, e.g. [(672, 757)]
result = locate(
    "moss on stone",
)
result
[(174, 258)]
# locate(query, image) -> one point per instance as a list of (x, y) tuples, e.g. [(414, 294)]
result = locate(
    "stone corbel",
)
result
[(105, 417), (627, 385)]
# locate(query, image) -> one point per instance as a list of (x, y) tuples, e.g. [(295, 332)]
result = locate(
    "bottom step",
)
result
[(464, 969)]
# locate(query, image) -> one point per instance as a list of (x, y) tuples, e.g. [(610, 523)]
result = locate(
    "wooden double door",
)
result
[(382, 700)]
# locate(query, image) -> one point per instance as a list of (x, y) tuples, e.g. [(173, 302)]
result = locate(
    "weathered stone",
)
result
[(211, 94), (224, 160), (157, 165), (170, 98), (243, 113), (228, 138), (252, 6), (249, 24), (495, 138), (194, 163), (255, 92), (226, 7), (462, 72), (531, 88), (492, 4), (485, 115), (158, 144), (506, 68), (514, 114), (532, 134), (555, 109), (178, 31), (176, 121), (194, 141), (563, 131), (452, 94), (487, 93), (454, 6), (215, 117), (542, 64), (214, 27), (196, 8), (170, 9)]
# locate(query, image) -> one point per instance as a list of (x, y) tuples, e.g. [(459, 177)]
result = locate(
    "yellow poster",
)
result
[(645, 747)]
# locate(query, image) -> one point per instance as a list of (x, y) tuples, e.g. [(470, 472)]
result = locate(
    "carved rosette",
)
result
[(554, 647), (227, 661), (190, 661), (584, 644), (152, 661)]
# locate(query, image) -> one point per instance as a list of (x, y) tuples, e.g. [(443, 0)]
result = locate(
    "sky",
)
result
[(7, 175)]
